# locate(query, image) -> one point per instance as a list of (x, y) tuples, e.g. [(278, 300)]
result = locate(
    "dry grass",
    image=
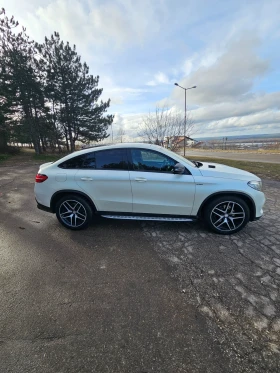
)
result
[(48, 157), (241, 151), (27, 151)]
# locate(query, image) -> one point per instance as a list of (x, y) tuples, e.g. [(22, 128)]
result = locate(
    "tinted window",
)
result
[(149, 160), (113, 159), (75, 162), (89, 161), (85, 161)]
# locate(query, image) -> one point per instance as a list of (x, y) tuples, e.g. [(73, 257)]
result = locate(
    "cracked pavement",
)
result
[(135, 297), (233, 280)]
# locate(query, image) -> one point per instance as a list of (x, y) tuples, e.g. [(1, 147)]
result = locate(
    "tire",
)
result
[(73, 212), (226, 215)]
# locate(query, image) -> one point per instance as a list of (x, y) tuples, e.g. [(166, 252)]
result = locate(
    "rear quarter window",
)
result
[(84, 161)]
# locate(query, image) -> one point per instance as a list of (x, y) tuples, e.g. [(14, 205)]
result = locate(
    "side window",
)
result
[(112, 159), (73, 163), (84, 161), (89, 161), (150, 160)]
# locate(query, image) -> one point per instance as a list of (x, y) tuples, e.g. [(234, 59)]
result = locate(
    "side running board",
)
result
[(154, 218)]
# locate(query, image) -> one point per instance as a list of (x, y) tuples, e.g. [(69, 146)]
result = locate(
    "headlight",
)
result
[(255, 185)]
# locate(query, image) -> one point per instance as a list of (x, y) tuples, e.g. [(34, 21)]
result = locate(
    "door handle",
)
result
[(140, 179), (86, 178)]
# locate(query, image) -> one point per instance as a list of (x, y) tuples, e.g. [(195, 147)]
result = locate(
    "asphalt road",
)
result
[(239, 156), (134, 297)]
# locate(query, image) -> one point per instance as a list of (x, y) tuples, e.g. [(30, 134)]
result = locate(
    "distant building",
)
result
[(178, 142)]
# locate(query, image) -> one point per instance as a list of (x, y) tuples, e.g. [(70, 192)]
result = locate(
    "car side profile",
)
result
[(147, 182)]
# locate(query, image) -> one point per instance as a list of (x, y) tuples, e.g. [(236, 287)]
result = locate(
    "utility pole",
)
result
[(185, 124)]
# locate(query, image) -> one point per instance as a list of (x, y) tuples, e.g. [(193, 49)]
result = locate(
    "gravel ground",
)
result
[(233, 280), (135, 297)]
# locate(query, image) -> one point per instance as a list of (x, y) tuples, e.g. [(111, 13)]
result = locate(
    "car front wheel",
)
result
[(226, 215), (73, 212)]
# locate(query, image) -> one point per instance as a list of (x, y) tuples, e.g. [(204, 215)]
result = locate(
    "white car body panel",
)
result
[(225, 172), (55, 183), (207, 186), (109, 190), (161, 193)]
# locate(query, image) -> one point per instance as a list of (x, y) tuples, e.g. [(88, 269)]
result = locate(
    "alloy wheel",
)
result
[(72, 213), (227, 216)]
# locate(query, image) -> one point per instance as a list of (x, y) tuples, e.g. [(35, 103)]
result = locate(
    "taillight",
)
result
[(40, 178)]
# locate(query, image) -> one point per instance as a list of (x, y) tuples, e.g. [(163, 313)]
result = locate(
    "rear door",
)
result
[(105, 178)]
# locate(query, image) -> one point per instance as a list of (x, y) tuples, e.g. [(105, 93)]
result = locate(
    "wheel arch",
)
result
[(250, 202), (57, 195)]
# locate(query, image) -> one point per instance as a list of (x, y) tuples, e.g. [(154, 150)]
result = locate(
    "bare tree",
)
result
[(166, 125), (121, 133)]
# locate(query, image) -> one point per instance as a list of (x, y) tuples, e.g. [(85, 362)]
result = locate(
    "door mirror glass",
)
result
[(179, 168)]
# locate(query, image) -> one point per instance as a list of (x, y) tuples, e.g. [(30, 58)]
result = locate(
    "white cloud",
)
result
[(258, 123), (204, 59), (114, 23), (159, 78), (231, 76), (218, 46), (120, 95), (239, 108)]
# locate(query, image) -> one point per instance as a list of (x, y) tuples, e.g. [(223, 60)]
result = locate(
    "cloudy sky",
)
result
[(140, 48)]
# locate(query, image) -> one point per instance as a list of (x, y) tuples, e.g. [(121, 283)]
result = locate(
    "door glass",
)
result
[(112, 159), (149, 160)]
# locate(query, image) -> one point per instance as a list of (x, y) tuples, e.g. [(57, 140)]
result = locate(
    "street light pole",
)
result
[(185, 124), (185, 127)]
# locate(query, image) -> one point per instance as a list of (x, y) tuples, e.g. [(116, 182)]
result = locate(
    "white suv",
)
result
[(147, 182)]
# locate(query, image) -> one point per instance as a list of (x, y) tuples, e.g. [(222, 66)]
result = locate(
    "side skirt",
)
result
[(125, 216)]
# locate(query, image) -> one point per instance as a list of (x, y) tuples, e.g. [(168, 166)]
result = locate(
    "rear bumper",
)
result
[(44, 208)]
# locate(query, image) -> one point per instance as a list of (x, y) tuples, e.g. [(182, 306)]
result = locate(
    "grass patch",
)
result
[(261, 169), (4, 157)]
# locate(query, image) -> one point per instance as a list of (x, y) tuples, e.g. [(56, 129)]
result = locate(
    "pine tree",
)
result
[(6, 92), (20, 83), (73, 93), (46, 93)]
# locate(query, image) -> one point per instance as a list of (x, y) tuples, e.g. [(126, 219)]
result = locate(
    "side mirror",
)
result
[(179, 168)]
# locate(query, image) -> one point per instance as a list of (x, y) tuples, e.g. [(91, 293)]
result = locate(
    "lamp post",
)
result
[(185, 127)]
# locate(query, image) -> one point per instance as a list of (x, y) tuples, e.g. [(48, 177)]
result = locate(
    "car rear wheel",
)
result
[(226, 215), (73, 212)]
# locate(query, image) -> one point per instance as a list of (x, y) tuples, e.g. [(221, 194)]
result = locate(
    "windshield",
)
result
[(180, 156)]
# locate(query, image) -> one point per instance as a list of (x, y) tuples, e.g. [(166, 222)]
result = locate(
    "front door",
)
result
[(155, 188)]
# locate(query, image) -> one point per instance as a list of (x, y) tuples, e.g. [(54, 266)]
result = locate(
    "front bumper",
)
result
[(259, 200)]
